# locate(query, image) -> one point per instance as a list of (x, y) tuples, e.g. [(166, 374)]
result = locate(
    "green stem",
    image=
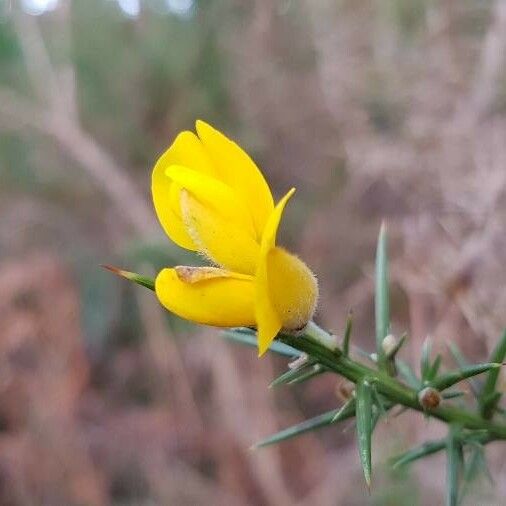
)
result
[(322, 346)]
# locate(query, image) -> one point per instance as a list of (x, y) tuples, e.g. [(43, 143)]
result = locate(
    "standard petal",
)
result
[(214, 194), (186, 150), (238, 171), (212, 297), (168, 215), (220, 239)]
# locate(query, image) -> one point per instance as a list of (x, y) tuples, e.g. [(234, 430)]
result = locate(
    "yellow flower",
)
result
[(210, 197)]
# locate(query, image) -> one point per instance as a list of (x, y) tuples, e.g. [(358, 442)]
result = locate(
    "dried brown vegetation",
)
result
[(374, 110)]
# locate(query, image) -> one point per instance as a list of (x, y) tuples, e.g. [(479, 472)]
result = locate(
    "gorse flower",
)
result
[(211, 198)]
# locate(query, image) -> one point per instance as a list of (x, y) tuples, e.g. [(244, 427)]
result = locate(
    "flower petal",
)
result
[(220, 239), (238, 171), (186, 150), (170, 219), (271, 227), (207, 295), (214, 194), (268, 320)]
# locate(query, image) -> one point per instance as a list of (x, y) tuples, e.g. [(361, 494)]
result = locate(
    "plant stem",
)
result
[(322, 346)]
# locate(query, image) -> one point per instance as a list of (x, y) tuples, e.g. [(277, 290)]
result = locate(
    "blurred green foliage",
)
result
[(153, 74)]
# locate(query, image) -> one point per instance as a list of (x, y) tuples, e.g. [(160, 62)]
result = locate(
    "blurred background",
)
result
[(373, 109)]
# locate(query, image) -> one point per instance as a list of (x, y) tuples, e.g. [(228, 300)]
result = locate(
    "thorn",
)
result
[(118, 271), (111, 268), (300, 361), (131, 276)]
